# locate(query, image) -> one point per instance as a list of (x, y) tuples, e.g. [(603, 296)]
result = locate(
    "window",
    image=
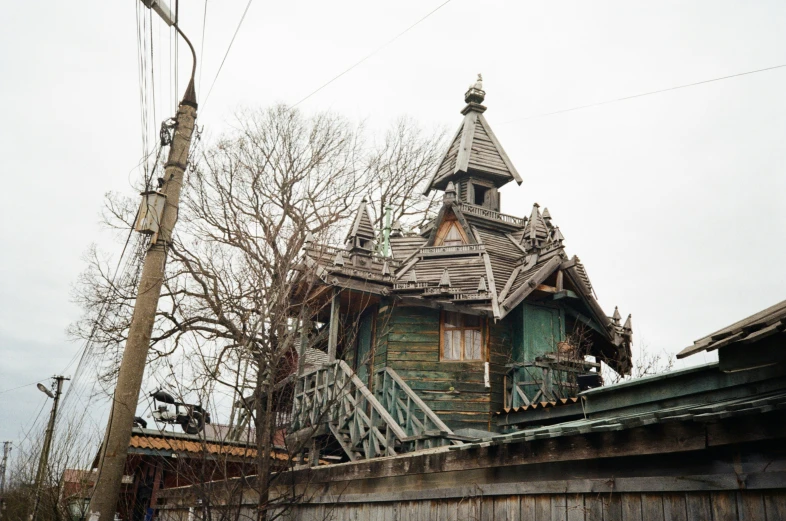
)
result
[(480, 194), (462, 336)]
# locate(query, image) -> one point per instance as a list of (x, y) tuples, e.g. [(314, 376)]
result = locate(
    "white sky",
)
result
[(674, 201)]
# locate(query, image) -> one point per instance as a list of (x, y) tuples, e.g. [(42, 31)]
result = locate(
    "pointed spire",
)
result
[(546, 217), (339, 260), (309, 239), (535, 231), (361, 235), (482, 288), (628, 326), (413, 277), (444, 281), (557, 236), (616, 317), (474, 149), (450, 193)]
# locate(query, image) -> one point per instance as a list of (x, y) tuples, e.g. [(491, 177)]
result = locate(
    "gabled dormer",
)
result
[(475, 162)]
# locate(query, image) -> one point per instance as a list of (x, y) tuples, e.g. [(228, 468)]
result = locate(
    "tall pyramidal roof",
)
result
[(362, 226), (474, 148)]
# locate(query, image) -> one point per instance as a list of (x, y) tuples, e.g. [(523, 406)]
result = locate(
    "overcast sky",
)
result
[(673, 201)]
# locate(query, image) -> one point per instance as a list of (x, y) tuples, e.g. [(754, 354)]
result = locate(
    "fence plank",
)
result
[(528, 508), (542, 508), (559, 507), (631, 507), (750, 506), (593, 507), (698, 507), (575, 507), (674, 507), (775, 505), (724, 506), (612, 507), (487, 508), (652, 507)]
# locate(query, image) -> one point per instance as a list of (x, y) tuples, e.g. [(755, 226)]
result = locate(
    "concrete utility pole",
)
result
[(50, 429), (103, 503), (3, 465)]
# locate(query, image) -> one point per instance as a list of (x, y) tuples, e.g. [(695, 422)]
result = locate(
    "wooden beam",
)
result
[(305, 329), (335, 303)]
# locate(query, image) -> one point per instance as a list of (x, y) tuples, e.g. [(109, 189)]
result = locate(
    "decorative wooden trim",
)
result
[(465, 146), (493, 215)]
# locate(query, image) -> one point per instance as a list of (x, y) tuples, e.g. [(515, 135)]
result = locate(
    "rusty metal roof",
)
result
[(540, 405), (168, 442)]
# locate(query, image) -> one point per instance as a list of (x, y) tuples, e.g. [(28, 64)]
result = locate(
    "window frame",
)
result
[(481, 327)]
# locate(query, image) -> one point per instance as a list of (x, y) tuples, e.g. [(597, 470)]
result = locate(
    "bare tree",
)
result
[(250, 201)]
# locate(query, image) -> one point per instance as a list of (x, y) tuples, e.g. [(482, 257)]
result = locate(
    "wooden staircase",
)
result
[(335, 417)]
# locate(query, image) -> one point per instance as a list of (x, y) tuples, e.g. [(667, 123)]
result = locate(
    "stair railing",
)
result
[(423, 427), (334, 395)]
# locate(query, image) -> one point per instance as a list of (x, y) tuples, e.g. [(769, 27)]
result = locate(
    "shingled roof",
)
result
[(474, 147), (472, 258)]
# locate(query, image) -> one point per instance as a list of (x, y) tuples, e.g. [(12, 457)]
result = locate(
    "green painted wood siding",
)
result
[(364, 344), (540, 329), (414, 353)]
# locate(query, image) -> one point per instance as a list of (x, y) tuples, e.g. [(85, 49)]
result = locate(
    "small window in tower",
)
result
[(480, 194), (364, 243)]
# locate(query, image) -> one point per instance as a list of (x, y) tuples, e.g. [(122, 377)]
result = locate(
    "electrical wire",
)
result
[(237, 29), (534, 116), (372, 53), (20, 387), (202, 48)]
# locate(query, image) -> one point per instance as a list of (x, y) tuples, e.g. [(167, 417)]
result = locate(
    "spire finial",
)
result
[(475, 95), (450, 193)]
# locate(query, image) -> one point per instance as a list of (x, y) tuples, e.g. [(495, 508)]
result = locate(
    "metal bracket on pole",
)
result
[(162, 9)]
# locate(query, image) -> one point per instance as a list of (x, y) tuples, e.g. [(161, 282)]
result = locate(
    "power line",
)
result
[(643, 94), (375, 51), (20, 387), (227, 53), (202, 50)]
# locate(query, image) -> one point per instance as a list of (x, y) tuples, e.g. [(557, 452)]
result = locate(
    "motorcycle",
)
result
[(191, 418)]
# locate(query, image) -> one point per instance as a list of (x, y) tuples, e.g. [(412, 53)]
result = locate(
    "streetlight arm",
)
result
[(162, 9), (166, 15)]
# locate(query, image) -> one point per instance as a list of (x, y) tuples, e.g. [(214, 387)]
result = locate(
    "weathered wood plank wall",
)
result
[(690, 506), (715, 506), (456, 391)]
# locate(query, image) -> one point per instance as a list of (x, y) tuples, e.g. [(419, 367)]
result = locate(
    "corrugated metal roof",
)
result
[(696, 412)]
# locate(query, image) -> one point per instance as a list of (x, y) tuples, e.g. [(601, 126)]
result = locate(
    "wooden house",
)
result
[(439, 331), (458, 355)]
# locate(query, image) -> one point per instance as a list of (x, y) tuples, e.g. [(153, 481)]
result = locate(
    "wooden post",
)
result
[(333, 331), (156, 485), (305, 328)]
